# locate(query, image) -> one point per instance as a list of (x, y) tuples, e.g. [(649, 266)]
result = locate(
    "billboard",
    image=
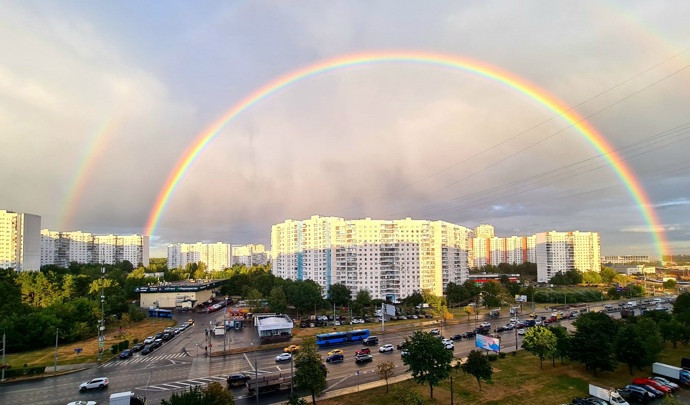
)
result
[(488, 343), (520, 298), (390, 309)]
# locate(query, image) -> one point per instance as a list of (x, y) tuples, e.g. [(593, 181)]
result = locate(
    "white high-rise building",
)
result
[(63, 248), (564, 251), (390, 259), (20, 241), (249, 255), (216, 256), (488, 249)]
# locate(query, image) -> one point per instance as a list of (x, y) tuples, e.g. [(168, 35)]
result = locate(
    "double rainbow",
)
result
[(519, 84)]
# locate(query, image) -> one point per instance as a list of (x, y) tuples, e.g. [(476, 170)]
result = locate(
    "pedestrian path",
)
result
[(145, 359)]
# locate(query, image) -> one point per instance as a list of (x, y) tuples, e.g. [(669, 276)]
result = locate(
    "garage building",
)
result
[(178, 294)]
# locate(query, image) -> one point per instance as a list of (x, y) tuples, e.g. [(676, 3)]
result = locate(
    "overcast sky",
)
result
[(99, 100)]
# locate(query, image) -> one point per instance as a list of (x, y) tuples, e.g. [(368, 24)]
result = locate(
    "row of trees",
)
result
[(601, 342)]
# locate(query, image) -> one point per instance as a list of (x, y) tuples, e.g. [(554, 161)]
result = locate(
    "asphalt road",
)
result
[(181, 363)]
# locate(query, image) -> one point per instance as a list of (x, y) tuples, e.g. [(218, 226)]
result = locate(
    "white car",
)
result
[(386, 348), (447, 342), (521, 331), (148, 340), (283, 357), (83, 403), (435, 331), (514, 320), (100, 383), (485, 324), (449, 346)]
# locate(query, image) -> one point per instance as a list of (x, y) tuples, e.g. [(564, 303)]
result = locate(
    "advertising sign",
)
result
[(520, 298), (488, 343), (390, 309)]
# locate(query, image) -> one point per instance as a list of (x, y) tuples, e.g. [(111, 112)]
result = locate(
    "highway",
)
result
[(181, 363)]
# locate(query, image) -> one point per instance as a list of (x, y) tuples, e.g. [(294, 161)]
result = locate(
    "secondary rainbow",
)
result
[(624, 173)]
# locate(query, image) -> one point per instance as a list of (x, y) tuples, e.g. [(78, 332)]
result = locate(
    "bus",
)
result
[(334, 338), (160, 313)]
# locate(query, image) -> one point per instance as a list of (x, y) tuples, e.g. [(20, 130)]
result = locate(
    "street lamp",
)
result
[(101, 324)]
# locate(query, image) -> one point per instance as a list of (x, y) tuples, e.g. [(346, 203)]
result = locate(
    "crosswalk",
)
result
[(145, 359), (185, 384)]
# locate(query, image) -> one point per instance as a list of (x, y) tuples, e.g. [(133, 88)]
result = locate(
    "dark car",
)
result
[(632, 395), (456, 337), (137, 347), (167, 335), (363, 358), (158, 336), (235, 380), (335, 358), (126, 354), (371, 340), (147, 349), (469, 334), (402, 345), (158, 343)]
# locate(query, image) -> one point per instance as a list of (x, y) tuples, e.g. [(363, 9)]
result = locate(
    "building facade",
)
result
[(488, 249), (389, 258), (63, 248), (250, 255), (216, 256), (626, 259), (20, 241), (559, 252)]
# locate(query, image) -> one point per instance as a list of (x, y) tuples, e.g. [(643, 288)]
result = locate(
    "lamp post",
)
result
[(256, 374), (3, 357), (292, 375), (56, 349), (101, 325)]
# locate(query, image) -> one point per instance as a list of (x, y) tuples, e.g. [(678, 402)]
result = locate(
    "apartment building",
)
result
[(389, 258), (20, 241), (625, 259), (63, 248), (250, 255), (216, 256), (488, 249), (563, 251)]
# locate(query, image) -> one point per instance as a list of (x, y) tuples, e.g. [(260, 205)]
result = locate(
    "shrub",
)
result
[(493, 357), (20, 372), (502, 355)]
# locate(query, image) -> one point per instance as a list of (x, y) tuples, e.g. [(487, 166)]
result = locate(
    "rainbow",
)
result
[(624, 173)]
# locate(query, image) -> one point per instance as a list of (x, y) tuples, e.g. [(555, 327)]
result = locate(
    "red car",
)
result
[(653, 384), (364, 350)]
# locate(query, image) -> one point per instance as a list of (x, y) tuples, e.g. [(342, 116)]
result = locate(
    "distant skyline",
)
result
[(100, 101)]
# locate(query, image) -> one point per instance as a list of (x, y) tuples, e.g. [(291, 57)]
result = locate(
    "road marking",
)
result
[(249, 362), (278, 368), (341, 380)]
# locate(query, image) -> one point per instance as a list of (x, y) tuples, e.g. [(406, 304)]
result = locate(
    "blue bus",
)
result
[(334, 338), (160, 313)]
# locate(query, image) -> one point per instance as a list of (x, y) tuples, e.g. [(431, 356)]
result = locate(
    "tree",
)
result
[(630, 347), (309, 374), (468, 310), (339, 294), (681, 308), (414, 299), (562, 341), (455, 293), (670, 284), (673, 331), (591, 277), (304, 295), (428, 359), (478, 365), (541, 342), (607, 274), (651, 338), (255, 300), (277, 300), (592, 344), (212, 394), (385, 371)]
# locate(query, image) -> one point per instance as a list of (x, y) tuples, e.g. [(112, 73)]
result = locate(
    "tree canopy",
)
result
[(309, 366), (427, 359), (593, 342), (478, 366), (541, 342)]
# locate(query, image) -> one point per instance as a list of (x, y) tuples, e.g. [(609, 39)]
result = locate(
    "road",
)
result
[(180, 363)]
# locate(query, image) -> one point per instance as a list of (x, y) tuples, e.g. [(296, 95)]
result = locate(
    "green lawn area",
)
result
[(67, 355), (516, 380)]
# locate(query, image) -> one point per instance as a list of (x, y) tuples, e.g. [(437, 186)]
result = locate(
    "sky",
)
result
[(100, 100)]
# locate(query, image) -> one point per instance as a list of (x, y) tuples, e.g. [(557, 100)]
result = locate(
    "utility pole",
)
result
[(292, 375), (56, 349), (3, 356), (101, 325), (256, 374), (383, 321)]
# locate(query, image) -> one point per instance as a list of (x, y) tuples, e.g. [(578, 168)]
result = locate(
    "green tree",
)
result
[(607, 274), (385, 371), (670, 284), (591, 277), (562, 342), (304, 295), (309, 374), (673, 331), (362, 300), (651, 338), (592, 344), (478, 365), (541, 342), (455, 293), (404, 396), (428, 359), (413, 299), (630, 348), (613, 293), (277, 301), (681, 308), (255, 300), (339, 294)]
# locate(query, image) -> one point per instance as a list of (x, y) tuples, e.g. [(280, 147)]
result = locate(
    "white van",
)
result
[(632, 304)]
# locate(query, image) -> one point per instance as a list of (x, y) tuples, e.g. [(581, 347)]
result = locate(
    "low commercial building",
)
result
[(273, 328), (177, 294)]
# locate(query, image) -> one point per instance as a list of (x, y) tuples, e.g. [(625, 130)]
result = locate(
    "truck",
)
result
[(673, 373), (685, 363), (268, 383), (609, 395), (125, 398)]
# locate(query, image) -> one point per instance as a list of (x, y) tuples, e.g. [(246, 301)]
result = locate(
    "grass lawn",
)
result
[(67, 355), (516, 380)]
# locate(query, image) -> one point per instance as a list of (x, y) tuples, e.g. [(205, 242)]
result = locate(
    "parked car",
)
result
[(402, 345), (137, 347), (636, 388), (652, 383), (435, 331), (363, 358), (364, 350), (235, 380), (127, 353), (521, 331), (666, 382), (96, 383), (386, 348), (403, 353), (168, 335), (83, 403), (158, 343), (283, 357), (456, 337), (335, 358), (148, 340), (469, 334), (651, 390), (147, 349)]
